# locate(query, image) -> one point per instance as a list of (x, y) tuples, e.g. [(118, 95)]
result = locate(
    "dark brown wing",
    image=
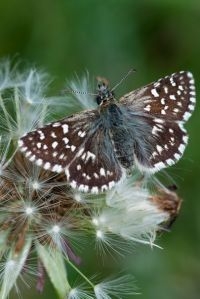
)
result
[(161, 108), (78, 145)]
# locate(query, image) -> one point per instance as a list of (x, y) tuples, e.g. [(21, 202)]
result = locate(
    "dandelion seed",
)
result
[(100, 234), (95, 221), (29, 210), (35, 185), (56, 229), (117, 287)]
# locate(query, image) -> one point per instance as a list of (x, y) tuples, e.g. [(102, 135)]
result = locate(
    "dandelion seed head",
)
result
[(35, 185), (77, 293), (73, 294), (29, 211), (78, 197), (56, 229), (95, 221), (84, 99), (34, 86), (123, 285), (39, 211), (100, 234)]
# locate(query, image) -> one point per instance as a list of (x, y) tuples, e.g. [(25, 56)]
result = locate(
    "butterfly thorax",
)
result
[(109, 110)]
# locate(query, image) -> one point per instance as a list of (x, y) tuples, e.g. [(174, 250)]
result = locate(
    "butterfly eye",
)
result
[(98, 100)]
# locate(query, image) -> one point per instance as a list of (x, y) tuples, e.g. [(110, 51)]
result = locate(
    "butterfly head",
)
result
[(104, 94)]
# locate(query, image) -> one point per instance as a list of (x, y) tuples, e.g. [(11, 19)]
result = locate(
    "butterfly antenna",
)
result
[(77, 92), (124, 78)]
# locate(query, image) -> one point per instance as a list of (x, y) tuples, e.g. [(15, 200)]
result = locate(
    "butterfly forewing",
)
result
[(79, 146), (164, 106), (171, 98)]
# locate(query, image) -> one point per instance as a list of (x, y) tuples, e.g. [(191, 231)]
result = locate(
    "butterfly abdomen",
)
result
[(121, 137)]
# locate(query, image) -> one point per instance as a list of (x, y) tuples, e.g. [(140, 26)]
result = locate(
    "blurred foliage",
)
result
[(108, 37)]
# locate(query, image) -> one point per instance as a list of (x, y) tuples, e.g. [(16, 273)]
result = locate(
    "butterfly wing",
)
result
[(162, 106), (78, 145)]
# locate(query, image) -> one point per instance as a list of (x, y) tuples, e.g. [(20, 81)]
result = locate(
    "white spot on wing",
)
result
[(104, 188), (185, 139), (155, 93), (181, 148), (191, 107), (23, 149), (102, 171), (186, 115), (159, 148), (83, 188), (32, 158), (147, 108), (20, 142), (61, 156), (165, 89), (95, 190), (28, 154), (55, 154), (163, 101), (73, 147), (163, 111), (54, 144), (156, 129), (90, 155), (81, 133), (111, 184), (53, 135), (172, 97), (177, 156), (57, 168), (65, 128), (193, 100), (47, 165), (159, 120), (73, 184), (42, 137), (189, 74), (39, 162), (65, 139), (159, 165), (56, 124), (170, 162)]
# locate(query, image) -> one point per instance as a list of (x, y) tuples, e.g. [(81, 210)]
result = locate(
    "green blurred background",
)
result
[(108, 37)]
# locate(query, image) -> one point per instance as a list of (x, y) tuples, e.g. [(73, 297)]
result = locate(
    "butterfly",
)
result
[(95, 148)]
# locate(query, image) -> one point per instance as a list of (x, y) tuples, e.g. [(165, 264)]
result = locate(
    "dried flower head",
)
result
[(43, 220)]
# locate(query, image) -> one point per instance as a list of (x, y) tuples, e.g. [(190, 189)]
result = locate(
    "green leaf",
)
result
[(54, 264)]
